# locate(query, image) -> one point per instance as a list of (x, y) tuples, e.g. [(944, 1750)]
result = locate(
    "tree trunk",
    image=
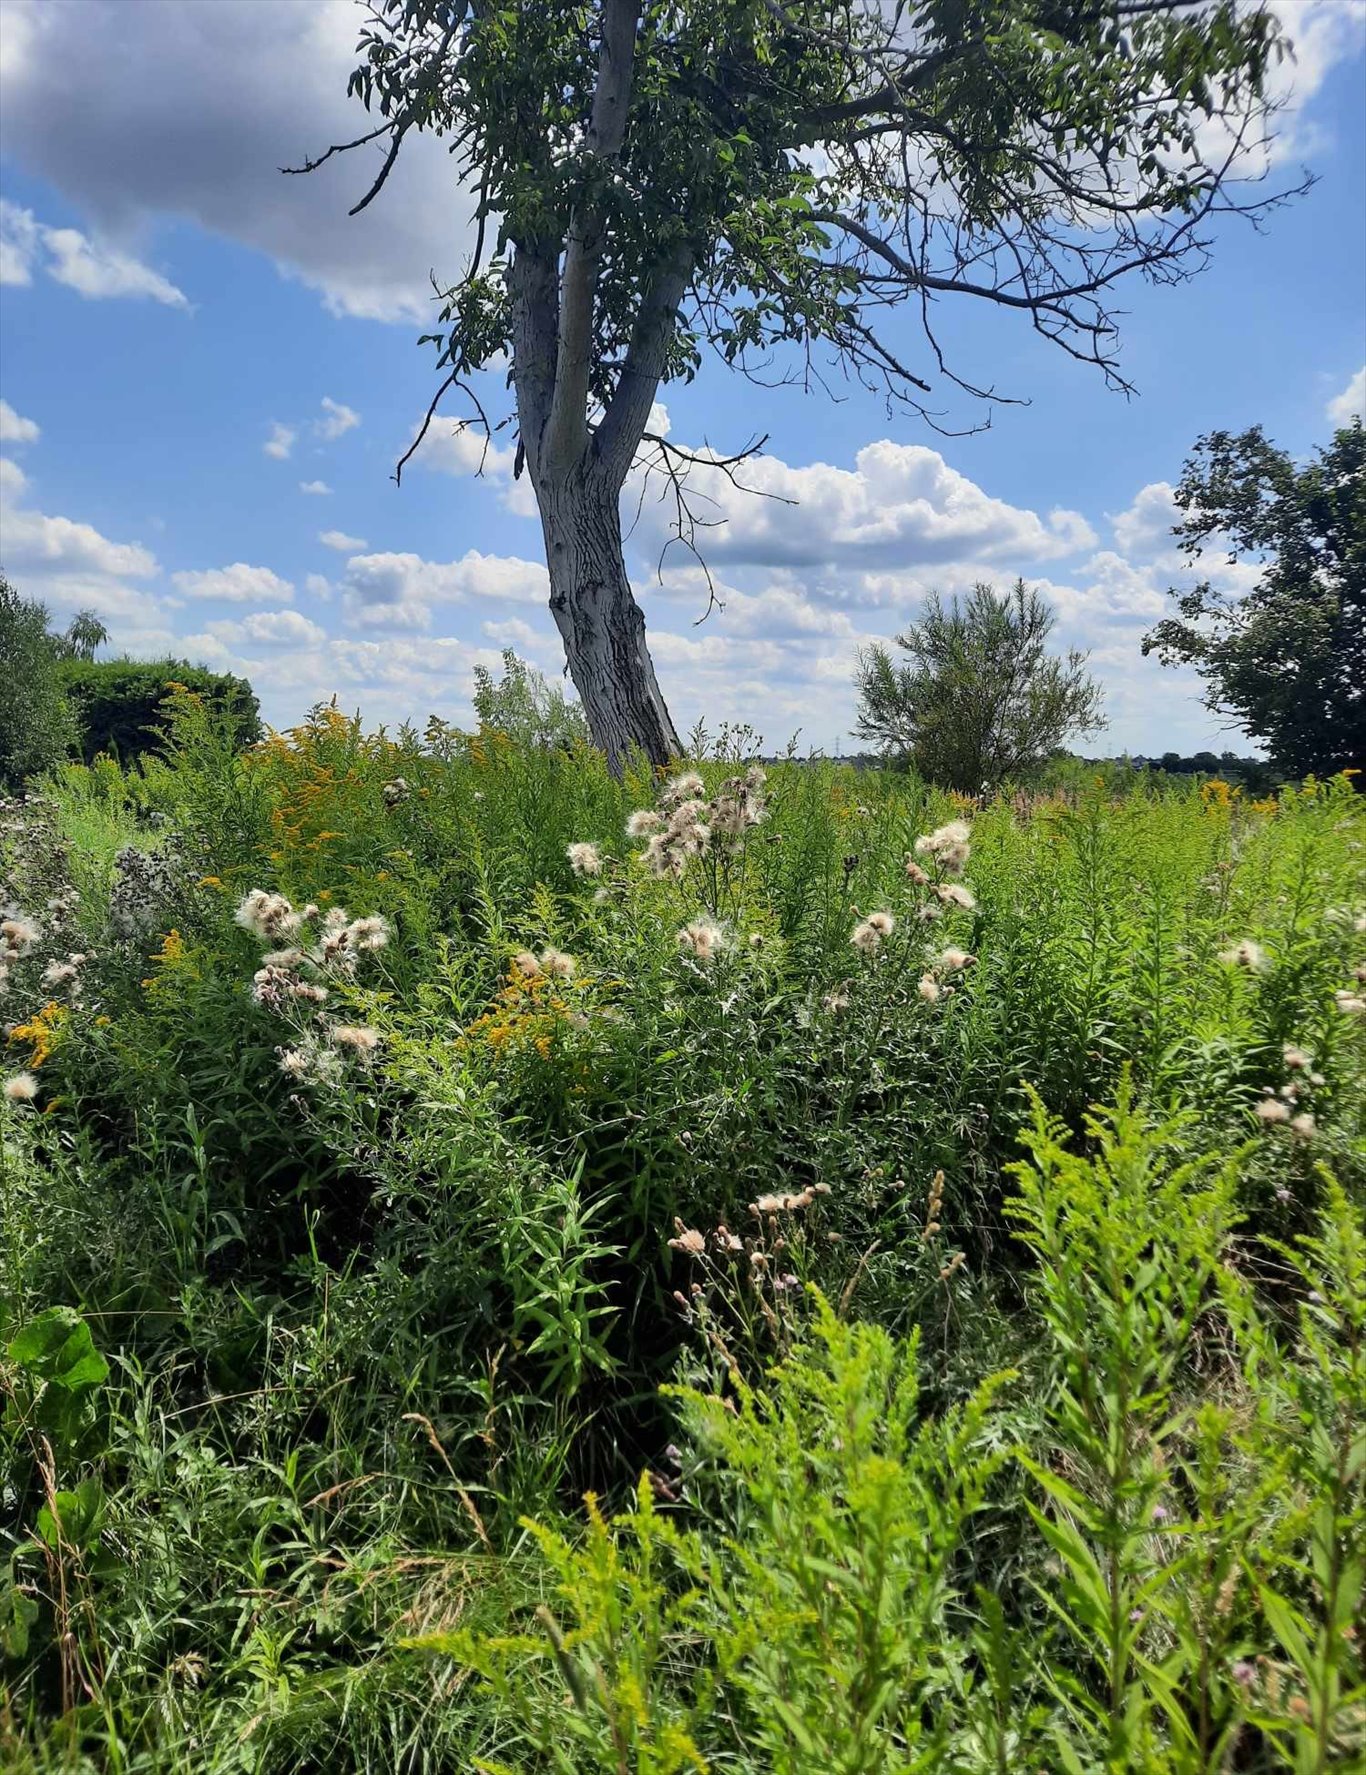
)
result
[(599, 620)]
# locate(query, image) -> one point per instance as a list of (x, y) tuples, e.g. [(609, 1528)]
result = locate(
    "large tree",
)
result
[(1287, 661), (979, 700), (652, 177)]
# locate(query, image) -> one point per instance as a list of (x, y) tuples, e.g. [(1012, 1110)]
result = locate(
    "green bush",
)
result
[(121, 705), (36, 725)]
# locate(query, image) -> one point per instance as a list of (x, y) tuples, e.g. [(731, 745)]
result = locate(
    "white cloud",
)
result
[(69, 565), (318, 487), (19, 244), (339, 540), (14, 428), (513, 633), (270, 628), (318, 585), (400, 590), (901, 505), (337, 421), (1145, 527), (455, 450), (157, 110), (281, 441), (1351, 403), (237, 584), (93, 269)]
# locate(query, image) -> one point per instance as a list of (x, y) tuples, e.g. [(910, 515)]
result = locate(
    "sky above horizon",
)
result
[(208, 372)]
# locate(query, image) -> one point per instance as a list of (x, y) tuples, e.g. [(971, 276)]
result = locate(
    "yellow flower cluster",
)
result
[(529, 1012), (40, 1032)]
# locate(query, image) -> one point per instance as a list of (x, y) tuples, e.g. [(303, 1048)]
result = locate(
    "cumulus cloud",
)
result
[(399, 591), (339, 540), (318, 487), (14, 428), (169, 111), (1351, 403), (69, 565), (1144, 528), (93, 269), (270, 628), (237, 584), (336, 421), (280, 442)]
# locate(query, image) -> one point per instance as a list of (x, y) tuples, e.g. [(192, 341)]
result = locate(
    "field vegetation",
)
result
[(753, 1268)]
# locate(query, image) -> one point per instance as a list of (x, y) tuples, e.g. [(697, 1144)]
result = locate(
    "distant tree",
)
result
[(36, 724), (980, 698), (649, 179), (1287, 660), (524, 706), (84, 636)]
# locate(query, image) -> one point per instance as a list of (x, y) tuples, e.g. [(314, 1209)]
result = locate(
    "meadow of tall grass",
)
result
[(770, 1269)]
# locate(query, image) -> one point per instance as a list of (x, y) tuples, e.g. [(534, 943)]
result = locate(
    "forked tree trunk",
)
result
[(600, 623)]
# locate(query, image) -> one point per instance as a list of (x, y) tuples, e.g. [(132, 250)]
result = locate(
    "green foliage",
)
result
[(524, 708), (122, 706), (1288, 660), (546, 1192), (981, 701), (36, 728), (699, 158)]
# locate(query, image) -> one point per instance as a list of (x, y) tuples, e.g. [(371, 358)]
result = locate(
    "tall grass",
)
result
[(938, 1418)]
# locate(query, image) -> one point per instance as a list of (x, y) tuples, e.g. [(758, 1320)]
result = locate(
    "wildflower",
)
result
[(1351, 1004), (727, 1240), (525, 963), (954, 1264), (1303, 1126), (948, 845), (867, 937), (60, 973), (1271, 1109), (929, 989), (20, 934), (1295, 1058), (688, 1240), (684, 787), (835, 1002), (953, 893), (267, 916), (756, 939), (356, 1037), (22, 1088), (584, 859), (1246, 954), (642, 822), (1243, 1673), (784, 1203), (367, 933), (558, 965), (914, 873), (702, 937), (951, 960), (395, 791), (1160, 1513), (786, 1282)]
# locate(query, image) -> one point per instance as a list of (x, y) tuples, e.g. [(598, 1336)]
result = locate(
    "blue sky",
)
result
[(208, 372)]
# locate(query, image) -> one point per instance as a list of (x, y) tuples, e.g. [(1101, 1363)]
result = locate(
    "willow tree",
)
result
[(653, 178)]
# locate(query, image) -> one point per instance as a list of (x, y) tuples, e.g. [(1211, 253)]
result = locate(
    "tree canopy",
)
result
[(1287, 661), (653, 178), (980, 699)]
